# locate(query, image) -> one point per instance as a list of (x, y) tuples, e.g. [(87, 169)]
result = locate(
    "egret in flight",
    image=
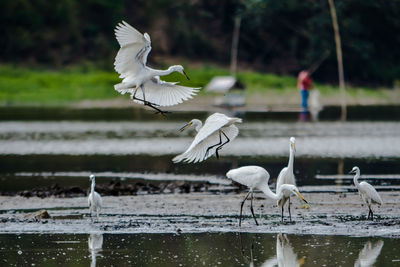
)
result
[(366, 191), (94, 200), (130, 63), (217, 131), (286, 176), (255, 177)]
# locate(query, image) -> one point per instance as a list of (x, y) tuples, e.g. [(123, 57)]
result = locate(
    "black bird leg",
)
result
[(241, 208), (251, 208), (210, 147)]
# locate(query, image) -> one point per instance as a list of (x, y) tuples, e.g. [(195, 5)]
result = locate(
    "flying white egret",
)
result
[(130, 63), (94, 200), (95, 243), (366, 191), (286, 175), (369, 254), (218, 130), (255, 177)]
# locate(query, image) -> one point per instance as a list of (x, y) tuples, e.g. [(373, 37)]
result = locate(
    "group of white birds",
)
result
[(145, 86)]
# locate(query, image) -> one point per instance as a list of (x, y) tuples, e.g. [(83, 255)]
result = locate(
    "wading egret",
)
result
[(255, 177), (369, 254), (286, 176), (217, 131), (130, 63), (94, 200), (366, 191)]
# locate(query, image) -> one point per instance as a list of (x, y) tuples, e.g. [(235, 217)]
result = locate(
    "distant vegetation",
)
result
[(280, 37), (26, 86)]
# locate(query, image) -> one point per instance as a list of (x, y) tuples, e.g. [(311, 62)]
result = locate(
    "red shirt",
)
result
[(304, 81)]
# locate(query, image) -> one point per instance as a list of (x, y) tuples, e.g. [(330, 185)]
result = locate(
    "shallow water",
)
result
[(206, 249)]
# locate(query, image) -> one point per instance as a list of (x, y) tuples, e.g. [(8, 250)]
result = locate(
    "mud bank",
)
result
[(328, 213)]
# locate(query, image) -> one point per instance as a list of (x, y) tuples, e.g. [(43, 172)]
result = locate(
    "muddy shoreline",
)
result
[(328, 213)]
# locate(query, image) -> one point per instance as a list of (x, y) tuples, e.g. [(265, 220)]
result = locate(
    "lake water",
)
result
[(206, 249)]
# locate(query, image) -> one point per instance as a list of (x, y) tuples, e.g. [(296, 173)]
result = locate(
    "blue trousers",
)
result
[(304, 99)]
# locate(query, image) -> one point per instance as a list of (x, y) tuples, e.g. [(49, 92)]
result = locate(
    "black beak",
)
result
[(184, 127), (351, 172), (185, 75)]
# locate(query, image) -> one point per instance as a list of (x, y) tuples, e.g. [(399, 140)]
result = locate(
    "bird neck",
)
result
[(93, 186), (355, 179), (197, 124), (267, 191), (163, 72), (291, 159)]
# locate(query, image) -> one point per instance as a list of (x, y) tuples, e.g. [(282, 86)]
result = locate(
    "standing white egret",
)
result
[(255, 177), (130, 63), (366, 191), (218, 130), (286, 176), (94, 200)]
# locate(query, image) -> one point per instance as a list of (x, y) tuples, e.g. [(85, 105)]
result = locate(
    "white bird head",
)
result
[(293, 143), (179, 69), (294, 190), (354, 170), (91, 177), (195, 122)]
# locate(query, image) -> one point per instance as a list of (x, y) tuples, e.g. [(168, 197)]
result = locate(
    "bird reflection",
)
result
[(369, 254), (285, 253), (285, 256), (95, 243)]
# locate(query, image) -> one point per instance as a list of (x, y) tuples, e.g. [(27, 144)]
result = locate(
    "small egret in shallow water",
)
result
[(94, 200), (367, 192), (142, 82), (255, 177), (286, 176), (217, 131)]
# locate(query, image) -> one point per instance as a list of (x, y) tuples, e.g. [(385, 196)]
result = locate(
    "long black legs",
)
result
[(290, 215), (241, 208), (147, 103), (219, 144), (370, 214), (251, 208)]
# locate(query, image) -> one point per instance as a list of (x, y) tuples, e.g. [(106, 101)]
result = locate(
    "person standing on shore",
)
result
[(304, 83)]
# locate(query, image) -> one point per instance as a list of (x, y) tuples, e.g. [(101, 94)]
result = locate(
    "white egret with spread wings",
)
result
[(255, 177), (217, 131), (140, 81), (367, 192)]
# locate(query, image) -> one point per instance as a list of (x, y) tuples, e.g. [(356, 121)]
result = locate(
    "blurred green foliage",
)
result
[(281, 37), (27, 86)]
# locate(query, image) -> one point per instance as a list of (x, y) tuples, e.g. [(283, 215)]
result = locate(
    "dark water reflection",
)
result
[(207, 249)]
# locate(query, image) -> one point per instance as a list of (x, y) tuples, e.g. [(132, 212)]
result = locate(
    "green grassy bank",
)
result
[(27, 86)]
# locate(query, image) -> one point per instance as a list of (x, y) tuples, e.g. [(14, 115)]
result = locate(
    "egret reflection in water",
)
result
[(369, 254), (95, 243)]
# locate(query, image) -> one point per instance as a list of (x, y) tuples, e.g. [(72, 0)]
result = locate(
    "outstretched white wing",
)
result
[(370, 192), (164, 93), (197, 152), (135, 47)]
